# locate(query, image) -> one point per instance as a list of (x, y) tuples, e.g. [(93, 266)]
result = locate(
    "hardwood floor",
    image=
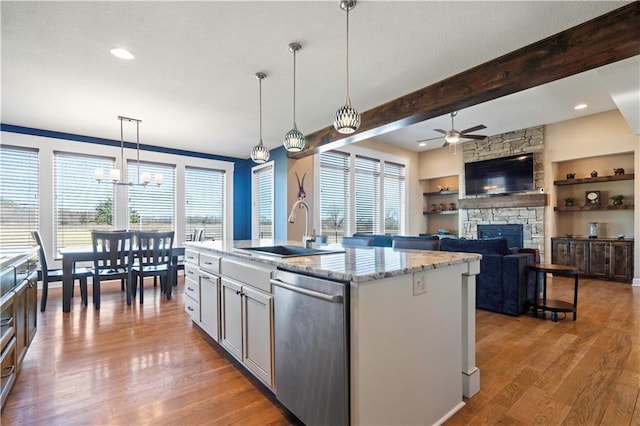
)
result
[(149, 364)]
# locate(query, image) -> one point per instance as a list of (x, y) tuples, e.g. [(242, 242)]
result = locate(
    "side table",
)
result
[(554, 306)]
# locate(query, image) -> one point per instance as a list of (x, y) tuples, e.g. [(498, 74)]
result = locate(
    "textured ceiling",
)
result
[(193, 85)]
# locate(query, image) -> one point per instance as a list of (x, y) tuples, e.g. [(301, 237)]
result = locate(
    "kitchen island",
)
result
[(411, 324)]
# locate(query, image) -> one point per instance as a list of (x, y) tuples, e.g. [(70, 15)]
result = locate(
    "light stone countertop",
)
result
[(354, 264)]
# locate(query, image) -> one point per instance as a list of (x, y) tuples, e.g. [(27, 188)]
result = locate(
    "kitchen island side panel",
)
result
[(406, 348)]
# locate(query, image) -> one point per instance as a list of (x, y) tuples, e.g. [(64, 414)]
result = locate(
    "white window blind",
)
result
[(19, 207), (262, 215), (81, 204), (334, 195), (152, 206), (204, 191), (394, 198), (367, 196)]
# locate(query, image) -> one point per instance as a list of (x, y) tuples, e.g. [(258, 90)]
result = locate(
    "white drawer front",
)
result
[(191, 271), (192, 307), (191, 256), (210, 262), (192, 289), (255, 274)]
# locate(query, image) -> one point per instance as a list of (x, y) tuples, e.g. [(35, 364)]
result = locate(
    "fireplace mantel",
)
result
[(504, 201)]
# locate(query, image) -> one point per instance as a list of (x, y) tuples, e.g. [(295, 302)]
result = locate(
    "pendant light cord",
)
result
[(294, 88), (347, 77), (260, 85)]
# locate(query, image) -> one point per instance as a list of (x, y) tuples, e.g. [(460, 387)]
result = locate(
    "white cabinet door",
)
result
[(258, 333), (192, 297), (209, 306), (231, 316)]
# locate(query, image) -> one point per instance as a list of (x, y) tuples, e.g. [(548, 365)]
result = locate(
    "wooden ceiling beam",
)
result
[(606, 39)]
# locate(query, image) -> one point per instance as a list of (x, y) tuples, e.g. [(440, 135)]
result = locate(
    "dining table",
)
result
[(72, 255)]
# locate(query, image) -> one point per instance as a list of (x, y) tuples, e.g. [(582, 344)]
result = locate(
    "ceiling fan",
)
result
[(454, 136)]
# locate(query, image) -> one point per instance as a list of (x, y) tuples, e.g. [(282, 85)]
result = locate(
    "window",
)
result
[(81, 204), (204, 192), (367, 196), (152, 206), (360, 193), (394, 197), (262, 215), (19, 211), (334, 195)]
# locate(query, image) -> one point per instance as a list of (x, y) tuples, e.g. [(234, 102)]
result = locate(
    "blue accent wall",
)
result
[(241, 174), (242, 200), (280, 213)]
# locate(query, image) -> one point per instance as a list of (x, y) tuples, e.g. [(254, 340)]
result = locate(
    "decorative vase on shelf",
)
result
[(594, 174), (593, 229)]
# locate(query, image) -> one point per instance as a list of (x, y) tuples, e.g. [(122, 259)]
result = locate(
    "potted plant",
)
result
[(568, 202), (617, 199)]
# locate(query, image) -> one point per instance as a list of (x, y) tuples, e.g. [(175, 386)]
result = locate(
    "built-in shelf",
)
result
[(504, 201), (628, 176), (443, 212), (592, 208), (440, 193)]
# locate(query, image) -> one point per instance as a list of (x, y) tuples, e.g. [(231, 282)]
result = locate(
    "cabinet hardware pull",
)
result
[(11, 369), (239, 292), (204, 277), (190, 308), (208, 263), (190, 289), (333, 298), (190, 272), (6, 322)]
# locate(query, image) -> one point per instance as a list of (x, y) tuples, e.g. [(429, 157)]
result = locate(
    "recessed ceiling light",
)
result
[(580, 106), (422, 144), (122, 53)]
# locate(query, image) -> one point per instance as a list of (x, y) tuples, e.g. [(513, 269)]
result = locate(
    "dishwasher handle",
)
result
[(333, 298)]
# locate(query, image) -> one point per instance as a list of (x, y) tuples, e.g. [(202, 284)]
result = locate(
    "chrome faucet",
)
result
[(306, 238)]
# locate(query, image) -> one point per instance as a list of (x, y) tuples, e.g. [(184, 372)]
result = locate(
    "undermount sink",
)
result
[(287, 251)]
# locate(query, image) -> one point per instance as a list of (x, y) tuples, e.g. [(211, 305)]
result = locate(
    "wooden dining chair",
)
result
[(54, 275), (154, 260), (112, 260)]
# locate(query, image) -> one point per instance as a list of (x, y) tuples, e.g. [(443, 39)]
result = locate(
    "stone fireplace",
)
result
[(530, 215)]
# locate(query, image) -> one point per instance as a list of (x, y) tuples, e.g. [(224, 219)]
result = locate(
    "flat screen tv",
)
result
[(504, 175)]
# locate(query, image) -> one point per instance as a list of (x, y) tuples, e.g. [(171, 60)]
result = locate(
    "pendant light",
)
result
[(143, 178), (294, 140), (259, 153), (347, 118)]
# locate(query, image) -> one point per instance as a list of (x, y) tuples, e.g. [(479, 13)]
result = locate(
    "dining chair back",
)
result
[(199, 235), (155, 259), (357, 241), (112, 260), (415, 243), (54, 275)]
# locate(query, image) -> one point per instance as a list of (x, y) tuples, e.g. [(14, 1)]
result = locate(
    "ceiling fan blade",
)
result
[(445, 144), (430, 139), (475, 128), (477, 137), (444, 132)]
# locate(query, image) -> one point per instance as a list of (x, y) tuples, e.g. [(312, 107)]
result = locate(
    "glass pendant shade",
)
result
[(294, 140), (347, 119), (259, 153)]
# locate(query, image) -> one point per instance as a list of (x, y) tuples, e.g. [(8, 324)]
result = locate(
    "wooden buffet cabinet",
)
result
[(603, 258)]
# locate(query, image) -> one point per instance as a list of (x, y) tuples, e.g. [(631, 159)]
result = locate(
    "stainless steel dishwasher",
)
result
[(312, 347)]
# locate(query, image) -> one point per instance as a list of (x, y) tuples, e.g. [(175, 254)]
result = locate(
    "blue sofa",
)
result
[(505, 283), (383, 240)]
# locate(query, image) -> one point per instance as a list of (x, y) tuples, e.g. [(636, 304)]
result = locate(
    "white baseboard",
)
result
[(635, 282)]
